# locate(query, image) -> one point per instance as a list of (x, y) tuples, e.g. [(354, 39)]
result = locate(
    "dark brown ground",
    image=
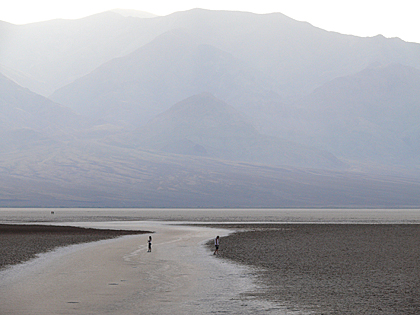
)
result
[(333, 268), (19, 243)]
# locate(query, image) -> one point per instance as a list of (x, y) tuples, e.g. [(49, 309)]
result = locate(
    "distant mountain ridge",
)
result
[(169, 69), (206, 109), (22, 109), (372, 115), (55, 53), (206, 126), (134, 13), (296, 55)]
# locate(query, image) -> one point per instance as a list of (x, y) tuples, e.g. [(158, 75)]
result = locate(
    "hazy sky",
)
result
[(357, 17)]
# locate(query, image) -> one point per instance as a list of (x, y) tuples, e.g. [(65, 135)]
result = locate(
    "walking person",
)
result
[(149, 241), (216, 244)]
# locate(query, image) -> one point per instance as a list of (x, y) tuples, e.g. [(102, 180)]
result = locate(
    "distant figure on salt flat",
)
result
[(149, 241), (216, 244)]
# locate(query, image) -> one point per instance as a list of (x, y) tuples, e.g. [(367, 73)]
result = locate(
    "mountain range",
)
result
[(206, 108), (370, 116), (206, 126)]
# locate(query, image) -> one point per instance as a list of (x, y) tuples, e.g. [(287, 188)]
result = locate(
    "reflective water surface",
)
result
[(212, 215)]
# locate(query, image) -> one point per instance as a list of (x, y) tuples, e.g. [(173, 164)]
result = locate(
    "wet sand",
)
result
[(333, 268), (119, 276)]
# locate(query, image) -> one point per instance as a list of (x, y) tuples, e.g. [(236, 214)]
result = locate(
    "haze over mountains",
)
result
[(206, 108)]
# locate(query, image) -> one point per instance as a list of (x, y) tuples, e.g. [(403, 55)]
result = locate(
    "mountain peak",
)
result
[(201, 112), (195, 125), (134, 13), (203, 104)]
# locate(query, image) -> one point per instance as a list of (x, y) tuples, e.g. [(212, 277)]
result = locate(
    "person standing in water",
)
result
[(216, 244), (149, 241)]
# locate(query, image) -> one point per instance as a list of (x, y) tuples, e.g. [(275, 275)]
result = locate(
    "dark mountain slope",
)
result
[(150, 80), (205, 125), (85, 174), (370, 116), (23, 109)]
